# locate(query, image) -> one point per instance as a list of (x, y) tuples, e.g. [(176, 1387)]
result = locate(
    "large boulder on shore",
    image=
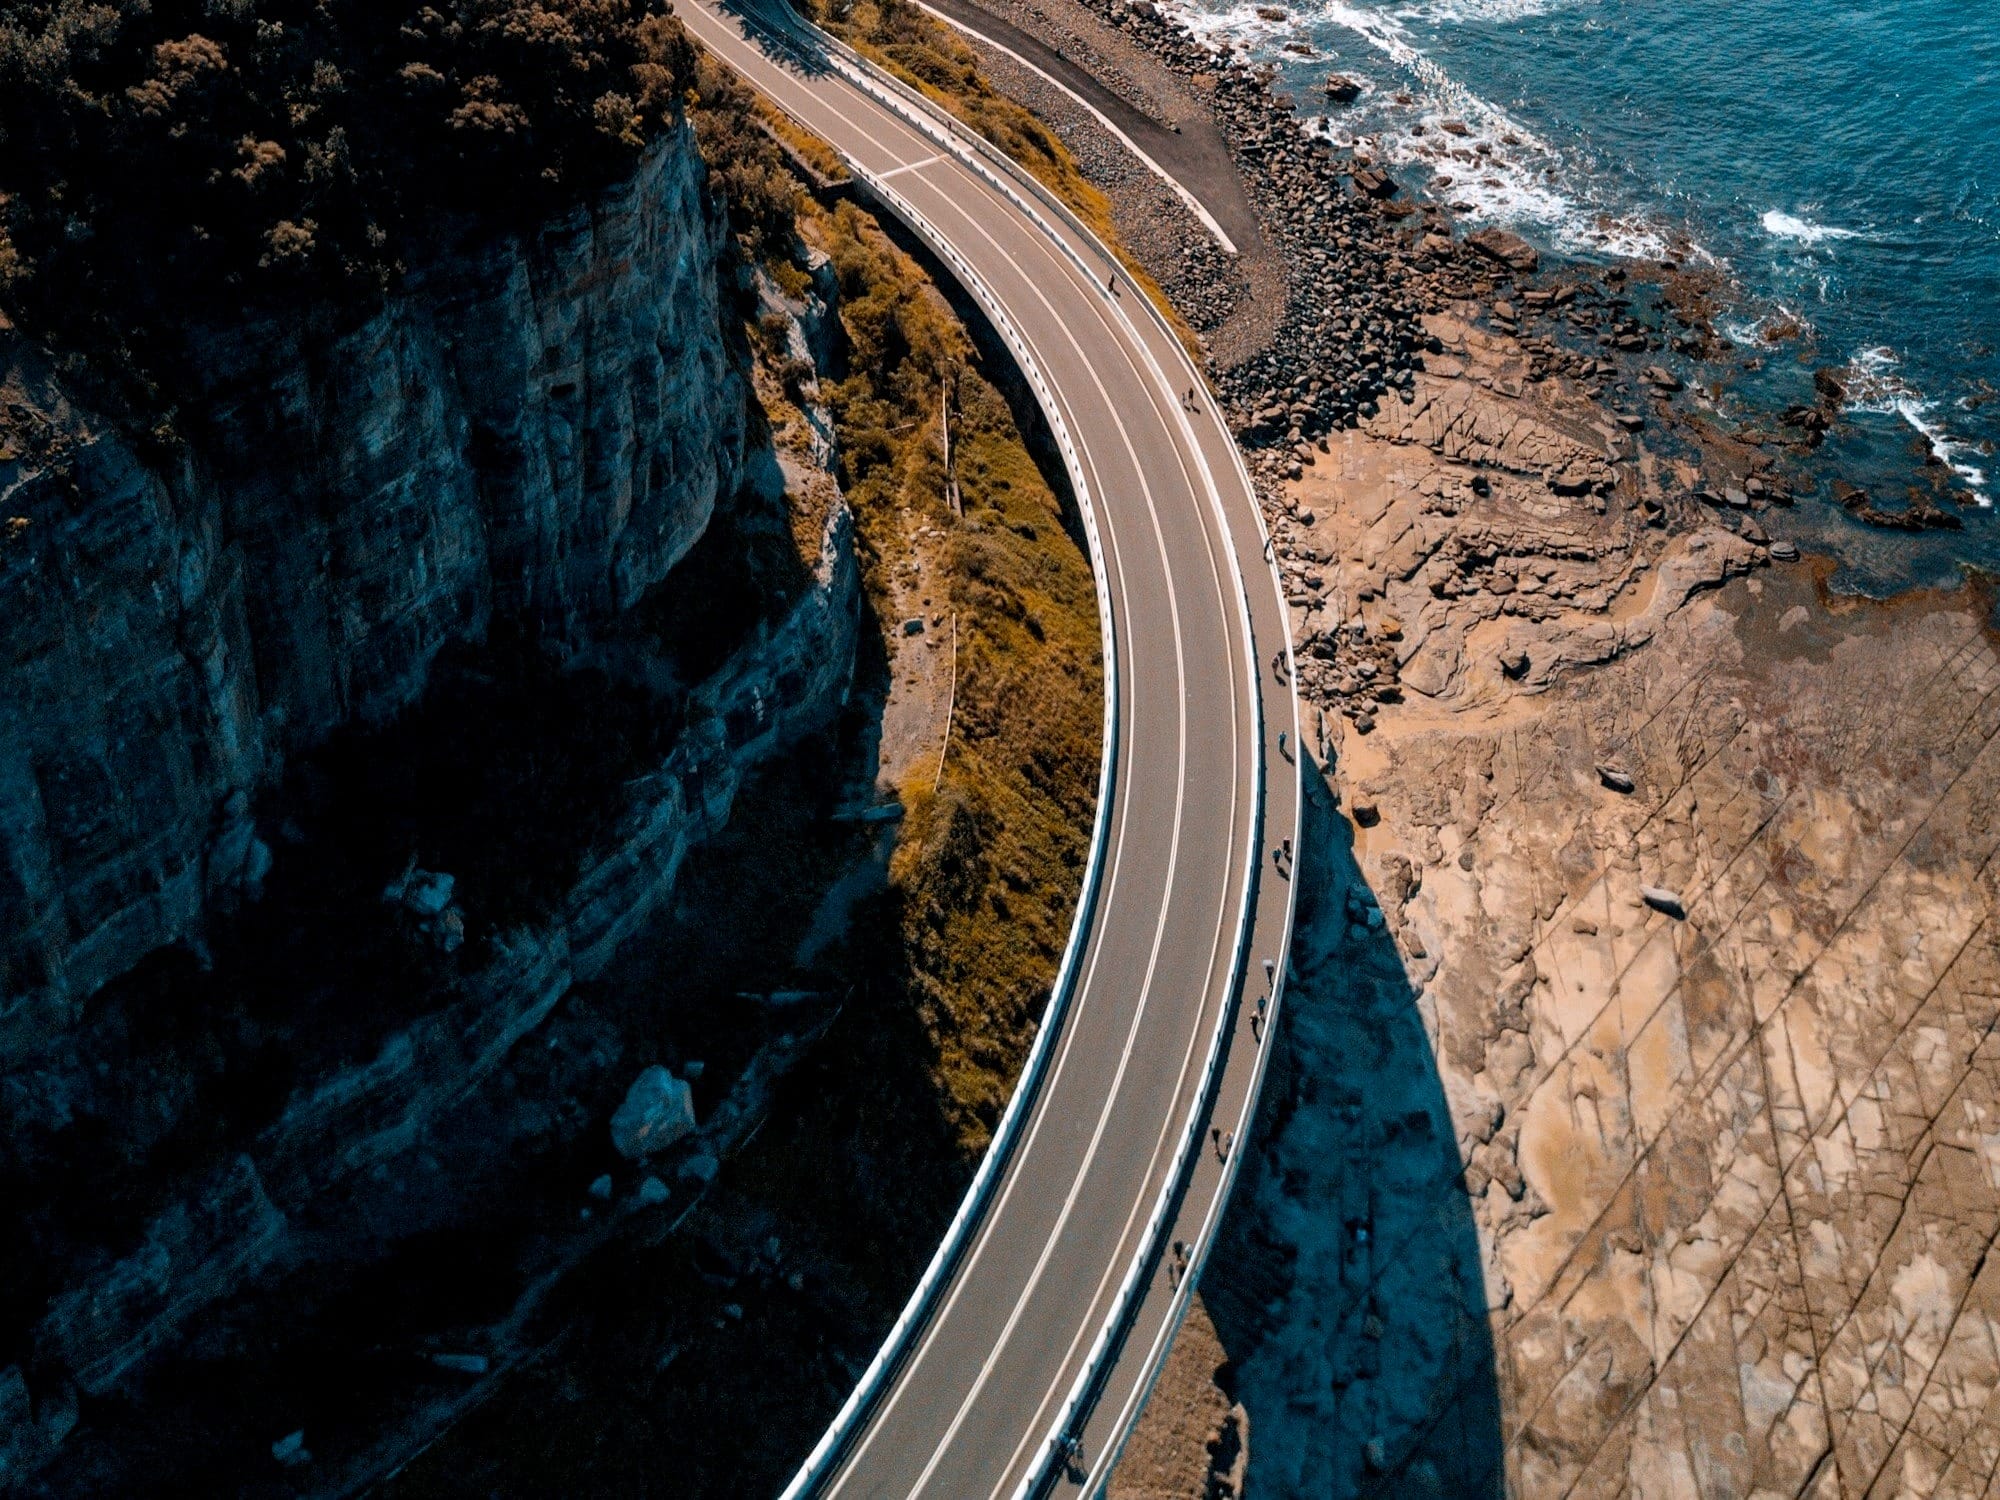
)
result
[(658, 1110), (1374, 184), (1503, 245)]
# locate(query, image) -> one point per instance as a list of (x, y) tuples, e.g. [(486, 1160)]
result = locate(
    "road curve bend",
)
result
[(1024, 1355)]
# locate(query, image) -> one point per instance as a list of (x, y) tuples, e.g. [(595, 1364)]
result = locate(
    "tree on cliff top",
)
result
[(162, 157)]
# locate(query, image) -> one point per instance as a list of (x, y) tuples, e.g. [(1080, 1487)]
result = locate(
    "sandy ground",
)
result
[(1235, 303), (921, 666), (1196, 1430)]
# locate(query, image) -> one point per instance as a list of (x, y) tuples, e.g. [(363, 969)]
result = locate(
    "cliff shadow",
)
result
[(331, 1289), (702, 1351), (1346, 1285), (457, 1326), (801, 47)]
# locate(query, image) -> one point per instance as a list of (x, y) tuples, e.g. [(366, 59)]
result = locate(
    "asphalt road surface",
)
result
[(1029, 1363)]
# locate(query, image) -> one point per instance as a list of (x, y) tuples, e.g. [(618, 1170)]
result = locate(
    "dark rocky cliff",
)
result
[(540, 429), (528, 506)]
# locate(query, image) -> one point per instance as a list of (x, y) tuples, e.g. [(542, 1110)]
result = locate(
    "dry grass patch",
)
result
[(990, 864), (992, 854)]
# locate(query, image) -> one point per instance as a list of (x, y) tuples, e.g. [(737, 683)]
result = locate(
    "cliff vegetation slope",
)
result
[(161, 157)]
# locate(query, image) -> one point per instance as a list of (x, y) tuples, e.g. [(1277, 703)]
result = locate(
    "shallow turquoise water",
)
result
[(1841, 161)]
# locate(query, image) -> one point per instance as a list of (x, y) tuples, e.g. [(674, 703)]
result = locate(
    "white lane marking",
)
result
[(1198, 447), (1148, 386), (1208, 541), (912, 166), (1153, 391), (1104, 1114), (1212, 1211), (976, 1251), (1194, 205), (750, 58), (1154, 395)]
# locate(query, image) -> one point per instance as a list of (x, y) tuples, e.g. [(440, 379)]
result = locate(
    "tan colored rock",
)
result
[(1559, 1193), (1729, 1233)]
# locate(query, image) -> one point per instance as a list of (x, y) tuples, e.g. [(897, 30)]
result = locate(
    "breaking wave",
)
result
[(1874, 384), (1783, 226), (1498, 169)]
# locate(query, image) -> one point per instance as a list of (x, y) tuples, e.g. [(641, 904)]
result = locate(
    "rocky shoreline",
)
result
[(1640, 1007), (1381, 291)]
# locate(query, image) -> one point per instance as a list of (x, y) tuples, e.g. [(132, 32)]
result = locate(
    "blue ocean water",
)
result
[(1838, 162)]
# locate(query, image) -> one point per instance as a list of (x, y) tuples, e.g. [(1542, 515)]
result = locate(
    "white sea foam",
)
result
[(1461, 12), (1521, 180), (1783, 226), (1779, 326), (1873, 385)]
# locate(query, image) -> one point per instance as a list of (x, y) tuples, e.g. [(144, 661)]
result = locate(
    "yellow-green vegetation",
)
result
[(816, 154), (745, 167), (990, 862), (932, 58), (991, 857)]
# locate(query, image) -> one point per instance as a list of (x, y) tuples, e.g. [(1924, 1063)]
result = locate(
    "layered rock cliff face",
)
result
[(539, 428), (544, 451)]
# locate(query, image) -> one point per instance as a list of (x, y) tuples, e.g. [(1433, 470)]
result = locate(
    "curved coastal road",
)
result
[(1021, 1363)]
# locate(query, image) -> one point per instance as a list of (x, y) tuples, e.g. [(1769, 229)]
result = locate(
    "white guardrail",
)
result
[(1005, 176)]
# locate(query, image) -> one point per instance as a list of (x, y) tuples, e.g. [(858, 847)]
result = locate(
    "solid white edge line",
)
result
[(968, 1254), (1011, 169), (1187, 459), (1203, 1243), (997, 1153), (1194, 205), (1100, 1473), (952, 138), (1207, 400), (1204, 1096), (1026, 1294), (1110, 1334)]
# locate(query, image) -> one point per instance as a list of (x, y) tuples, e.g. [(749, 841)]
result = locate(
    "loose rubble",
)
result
[(658, 1111)]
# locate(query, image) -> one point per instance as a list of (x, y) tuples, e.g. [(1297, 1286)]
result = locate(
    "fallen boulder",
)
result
[(425, 898), (1664, 901), (290, 1450), (1503, 245), (658, 1110)]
